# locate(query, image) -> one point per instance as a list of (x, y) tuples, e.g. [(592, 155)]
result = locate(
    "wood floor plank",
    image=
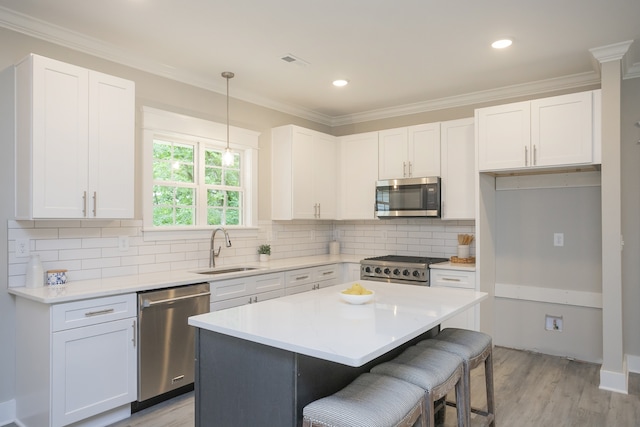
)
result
[(531, 390)]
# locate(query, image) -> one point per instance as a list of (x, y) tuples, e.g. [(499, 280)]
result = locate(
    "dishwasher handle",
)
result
[(148, 303)]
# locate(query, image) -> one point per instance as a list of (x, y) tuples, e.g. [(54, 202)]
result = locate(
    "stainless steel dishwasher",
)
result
[(167, 343)]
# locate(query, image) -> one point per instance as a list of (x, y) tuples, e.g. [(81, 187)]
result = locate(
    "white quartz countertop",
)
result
[(85, 289), (320, 324), (448, 265)]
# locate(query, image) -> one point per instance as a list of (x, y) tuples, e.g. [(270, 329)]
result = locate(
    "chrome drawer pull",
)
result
[(99, 312), (328, 272), (302, 277), (450, 280)]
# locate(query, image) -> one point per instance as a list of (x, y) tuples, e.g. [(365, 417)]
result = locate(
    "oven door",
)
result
[(412, 197)]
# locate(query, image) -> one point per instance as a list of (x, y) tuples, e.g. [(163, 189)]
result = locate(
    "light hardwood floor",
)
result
[(531, 390)]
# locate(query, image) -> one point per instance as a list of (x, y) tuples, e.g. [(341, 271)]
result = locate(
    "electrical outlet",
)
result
[(123, 243), (22, 248), (558, 239), (553, 323)]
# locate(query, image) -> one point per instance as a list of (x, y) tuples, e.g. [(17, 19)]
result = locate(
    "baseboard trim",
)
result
[(615, 381), (549, 295), (7, 412), (633, 363)]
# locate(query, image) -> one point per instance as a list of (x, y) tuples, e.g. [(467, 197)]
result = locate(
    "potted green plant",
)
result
[(264, 251)]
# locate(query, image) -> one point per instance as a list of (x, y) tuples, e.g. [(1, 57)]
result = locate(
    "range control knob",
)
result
[(387, 271), (378, 270), (405, 272), (416, 273), (396, 272)]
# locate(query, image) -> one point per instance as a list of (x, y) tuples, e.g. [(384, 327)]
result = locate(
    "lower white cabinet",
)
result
[(76, 361), (245, 290), (309, 279), (464, 280), (350, 272)]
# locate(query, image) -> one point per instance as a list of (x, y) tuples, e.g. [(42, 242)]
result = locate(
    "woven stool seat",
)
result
[(435, 371), (474, 348), (369, 401)]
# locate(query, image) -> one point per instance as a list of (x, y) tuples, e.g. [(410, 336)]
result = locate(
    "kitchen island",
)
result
[(260, 364)]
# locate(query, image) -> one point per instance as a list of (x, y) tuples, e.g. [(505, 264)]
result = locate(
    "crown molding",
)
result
[(506, 92), (61, 36)]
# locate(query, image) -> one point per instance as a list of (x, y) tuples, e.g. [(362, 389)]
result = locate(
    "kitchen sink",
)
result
[(227, 270)]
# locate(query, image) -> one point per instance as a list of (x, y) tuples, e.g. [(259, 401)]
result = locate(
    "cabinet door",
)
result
[(323, 165), (393, 153), (458, 169), (268, 282), (358, 175), (111, 146), (562, 130), (504, 136), (93, 370), (59, 120), (303, 197), (424, 150)]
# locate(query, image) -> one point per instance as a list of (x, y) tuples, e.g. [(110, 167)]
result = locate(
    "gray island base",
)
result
[(243, 383)]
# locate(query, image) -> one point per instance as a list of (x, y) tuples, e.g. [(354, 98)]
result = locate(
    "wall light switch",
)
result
[(558, 239)]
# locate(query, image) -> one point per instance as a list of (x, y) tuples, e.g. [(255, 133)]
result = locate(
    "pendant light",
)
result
[(227, 157)]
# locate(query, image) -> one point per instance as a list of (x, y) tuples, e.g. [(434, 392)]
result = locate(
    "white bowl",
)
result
[(357, 299)]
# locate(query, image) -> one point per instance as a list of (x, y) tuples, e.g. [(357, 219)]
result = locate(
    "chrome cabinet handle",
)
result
[(404, 169), (535, 156), (526, 155), (255, 299), (449, 279), (95, 202), (133, 340), (319, 210), (99, 312), (410, 171), (328, 272), (302, 277), (84, 204)]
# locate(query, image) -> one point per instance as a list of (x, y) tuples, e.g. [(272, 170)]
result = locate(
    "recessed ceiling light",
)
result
[(502, 43), (340, 82)]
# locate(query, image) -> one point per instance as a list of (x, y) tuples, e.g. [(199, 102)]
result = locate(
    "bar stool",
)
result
[(474, 348), (369, 401), (435, 371)]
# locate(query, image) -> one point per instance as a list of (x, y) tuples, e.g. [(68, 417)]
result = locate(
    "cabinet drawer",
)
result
[(327, 273), (299, 277), (269, 282), (225, 289), (90, 312), (453, 279)]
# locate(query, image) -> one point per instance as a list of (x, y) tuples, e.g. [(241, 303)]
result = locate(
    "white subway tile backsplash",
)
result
[(89, 249)]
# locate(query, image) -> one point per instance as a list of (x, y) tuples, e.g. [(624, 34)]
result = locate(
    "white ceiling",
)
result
[(400, 56)]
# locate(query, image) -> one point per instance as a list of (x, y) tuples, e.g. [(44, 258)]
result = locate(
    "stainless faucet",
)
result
[(212, 252)]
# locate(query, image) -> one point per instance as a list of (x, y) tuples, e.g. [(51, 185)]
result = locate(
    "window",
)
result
[(185, 173), (188, 186)]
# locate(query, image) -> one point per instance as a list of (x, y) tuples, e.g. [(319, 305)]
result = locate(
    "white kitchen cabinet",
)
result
[(350, 272), (76, 361), (245, 290), (549, 132), (74, 142), (303, 174), (412, 151), (308, 279), (358, 175), (465, 280), (457, 160)]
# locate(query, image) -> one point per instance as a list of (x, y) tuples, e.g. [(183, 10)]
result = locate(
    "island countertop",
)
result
[(320, 324)]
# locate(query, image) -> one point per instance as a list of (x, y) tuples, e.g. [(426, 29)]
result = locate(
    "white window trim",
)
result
[(165, 123)]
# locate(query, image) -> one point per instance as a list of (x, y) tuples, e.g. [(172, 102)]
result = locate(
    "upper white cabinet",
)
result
[(543, 133), (457, 154), (74, 142), (303, 174), (358, 175), (412, 151)]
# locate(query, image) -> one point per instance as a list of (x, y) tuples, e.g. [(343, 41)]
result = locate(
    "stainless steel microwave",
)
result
[(408, 197)]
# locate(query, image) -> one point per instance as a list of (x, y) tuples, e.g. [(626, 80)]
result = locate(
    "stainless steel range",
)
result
[(408, 270)]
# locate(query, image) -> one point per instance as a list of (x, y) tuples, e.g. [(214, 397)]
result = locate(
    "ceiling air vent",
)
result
[(292, 59)]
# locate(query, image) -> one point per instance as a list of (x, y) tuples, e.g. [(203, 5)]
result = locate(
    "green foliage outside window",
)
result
[(175, 186)]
